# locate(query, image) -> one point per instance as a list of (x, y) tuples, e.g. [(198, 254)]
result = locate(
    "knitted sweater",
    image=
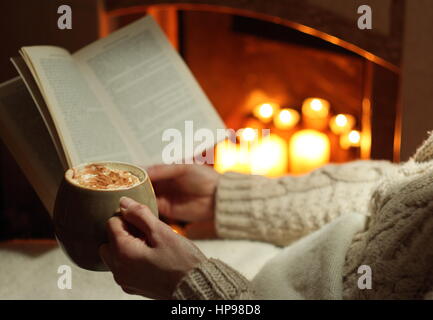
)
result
[(279, 211), (397, 242), (381, 217)]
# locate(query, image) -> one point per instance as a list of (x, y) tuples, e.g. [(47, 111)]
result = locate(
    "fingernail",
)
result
[(125, 202)]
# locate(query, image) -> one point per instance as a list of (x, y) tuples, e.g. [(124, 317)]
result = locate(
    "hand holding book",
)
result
[(187, 193)]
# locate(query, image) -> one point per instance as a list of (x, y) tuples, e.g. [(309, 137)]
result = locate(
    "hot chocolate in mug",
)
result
[(82, 209)]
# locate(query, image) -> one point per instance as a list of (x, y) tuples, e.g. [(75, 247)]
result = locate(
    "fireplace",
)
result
[(305, 74), (252, 65), (253, 59)]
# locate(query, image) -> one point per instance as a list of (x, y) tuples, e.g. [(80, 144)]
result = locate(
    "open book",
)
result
[(111, 100)]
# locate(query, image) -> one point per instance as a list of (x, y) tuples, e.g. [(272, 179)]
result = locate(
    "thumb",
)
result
[(141, 217)]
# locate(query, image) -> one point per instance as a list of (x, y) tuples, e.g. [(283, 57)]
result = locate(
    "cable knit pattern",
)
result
[(213, 280), (283, 210), (425, 151), (397, 243), (279, 211), (396, 240)]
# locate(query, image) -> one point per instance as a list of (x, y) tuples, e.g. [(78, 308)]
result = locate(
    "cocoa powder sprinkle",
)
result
[(101, 177)]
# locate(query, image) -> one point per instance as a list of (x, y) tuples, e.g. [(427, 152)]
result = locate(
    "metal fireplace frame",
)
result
[(381, 108)]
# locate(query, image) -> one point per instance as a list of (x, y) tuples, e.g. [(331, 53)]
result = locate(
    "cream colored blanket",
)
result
[(30, 270), (310, 268)]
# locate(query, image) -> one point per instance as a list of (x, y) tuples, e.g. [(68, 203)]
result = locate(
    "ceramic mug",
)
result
[(81, 213)]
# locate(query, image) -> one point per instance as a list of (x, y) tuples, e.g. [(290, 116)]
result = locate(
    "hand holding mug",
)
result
[(145, 255), (83, 207)]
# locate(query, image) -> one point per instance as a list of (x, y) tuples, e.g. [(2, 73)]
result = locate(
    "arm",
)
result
[(160, 263), (282, 210), (277, 211), (147, 258), (213, 280), (397, 242)]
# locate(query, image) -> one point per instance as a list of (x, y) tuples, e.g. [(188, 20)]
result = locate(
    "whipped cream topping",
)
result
[(102, 178)]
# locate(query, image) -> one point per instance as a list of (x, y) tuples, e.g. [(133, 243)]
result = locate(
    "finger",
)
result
[(116, 229), (105, 254), (175, 211), (188, 211), (161, 172), (141, 217)]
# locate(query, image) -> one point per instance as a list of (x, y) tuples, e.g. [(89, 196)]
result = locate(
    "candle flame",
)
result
[(285, 116), (266, 111), (354, 137), (248, 134), (316, 105), (342, 123), (351, 139), (286, 119), (341, 120)]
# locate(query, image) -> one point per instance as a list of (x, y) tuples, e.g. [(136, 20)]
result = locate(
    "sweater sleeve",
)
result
[(285, 209), (213, 280)]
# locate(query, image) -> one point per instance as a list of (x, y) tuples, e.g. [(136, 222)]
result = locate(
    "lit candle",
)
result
[(286, 119), (315, 113), (350, 139), (225, 156), (265, 111), (342, 123), (265, 157), (269, 157), (248, 134), (230, 157), (308, 149)]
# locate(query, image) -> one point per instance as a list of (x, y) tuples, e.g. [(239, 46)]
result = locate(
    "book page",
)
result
[(32, 87), (85, 128), (148, 87), (23, 131)]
